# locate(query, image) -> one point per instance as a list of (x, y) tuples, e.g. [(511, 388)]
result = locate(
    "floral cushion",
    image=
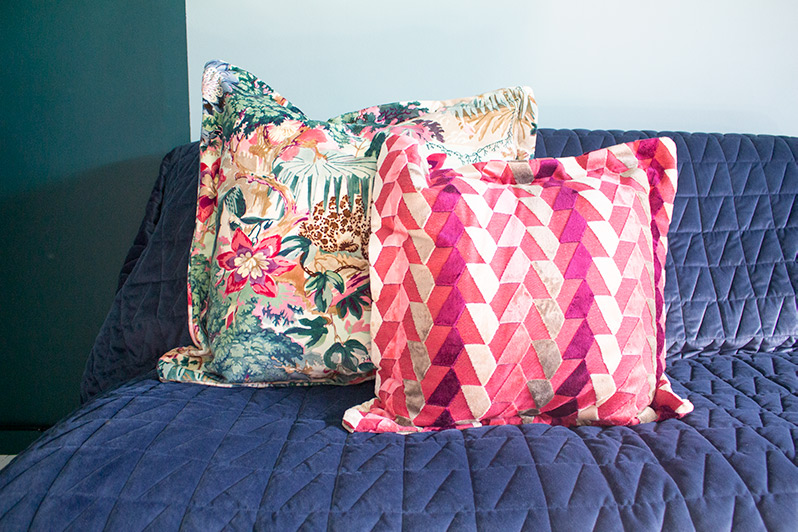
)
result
[(513, 292), (278, 273)]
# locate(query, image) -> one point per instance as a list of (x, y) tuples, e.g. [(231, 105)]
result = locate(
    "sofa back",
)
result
[(731, 273), (732, 267)]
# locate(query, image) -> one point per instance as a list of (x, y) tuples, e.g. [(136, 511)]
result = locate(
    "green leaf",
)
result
[(348, 353), (322, 284), (376, 144), (265, 223), (315, 283), (349, 363), (315, 330), (315, 322), (355, 302), (365, 367), (337, 281), (353, 345), (235, 202), (248, 110), (336, 348), (294, 245), (323, 298)]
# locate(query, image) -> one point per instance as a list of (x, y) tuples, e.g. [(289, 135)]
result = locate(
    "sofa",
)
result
[(145, 454)]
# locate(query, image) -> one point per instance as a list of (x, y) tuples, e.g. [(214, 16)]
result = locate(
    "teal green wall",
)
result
[(95, 92)]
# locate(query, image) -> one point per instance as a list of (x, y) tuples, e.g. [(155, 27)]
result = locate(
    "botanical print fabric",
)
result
[(278, 275), (515, 292)]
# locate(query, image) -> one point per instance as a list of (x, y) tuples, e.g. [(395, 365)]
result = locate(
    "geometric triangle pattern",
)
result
[(514, 292)]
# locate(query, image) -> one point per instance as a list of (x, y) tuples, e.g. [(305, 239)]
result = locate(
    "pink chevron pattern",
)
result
[(499, 302)]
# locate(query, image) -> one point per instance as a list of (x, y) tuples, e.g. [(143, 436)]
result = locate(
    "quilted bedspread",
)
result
[(141, 454)]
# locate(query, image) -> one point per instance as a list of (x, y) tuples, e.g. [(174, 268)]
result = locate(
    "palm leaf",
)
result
[(313, 176), (484, 104)]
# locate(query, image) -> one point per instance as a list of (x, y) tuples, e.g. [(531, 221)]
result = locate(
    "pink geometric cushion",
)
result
[(507, 293)]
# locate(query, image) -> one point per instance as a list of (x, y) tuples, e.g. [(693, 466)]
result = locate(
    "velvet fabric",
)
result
[(147, 455), (498, 302)]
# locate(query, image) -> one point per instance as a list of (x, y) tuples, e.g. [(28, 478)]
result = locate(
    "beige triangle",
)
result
[(479, 208), (483, 242), (609, 272), (544, 238), (477, 399), (610, 312), (610, 351), (423, 279), (423, 243), (485, 279), (603, 386), (551, 314), (422, 319), (482, 360), (420, 358), (606, 235), (485, 320), (550, 276), (537, 205), (418, 207)]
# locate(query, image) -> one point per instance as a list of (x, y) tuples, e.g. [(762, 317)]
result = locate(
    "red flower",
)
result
[(307, 138), (257, 264), (210, 178)]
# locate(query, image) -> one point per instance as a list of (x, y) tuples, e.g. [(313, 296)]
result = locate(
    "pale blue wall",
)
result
[(710, 65)]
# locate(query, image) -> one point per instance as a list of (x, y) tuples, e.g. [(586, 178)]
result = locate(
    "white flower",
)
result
[(279, 134), (211, 85), (251, 265)]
